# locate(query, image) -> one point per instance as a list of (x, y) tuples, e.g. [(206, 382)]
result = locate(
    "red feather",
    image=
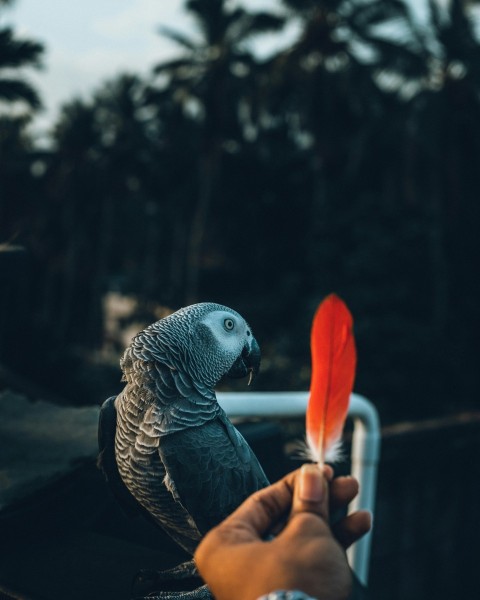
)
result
[(334, 360)]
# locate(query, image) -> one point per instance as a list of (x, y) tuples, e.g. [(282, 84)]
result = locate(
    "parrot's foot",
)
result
[(180, 583), (185, 570), (200, 593)]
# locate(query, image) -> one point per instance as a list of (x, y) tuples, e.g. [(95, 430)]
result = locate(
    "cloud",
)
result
[(140, 17), (123, 41), (90, 41)]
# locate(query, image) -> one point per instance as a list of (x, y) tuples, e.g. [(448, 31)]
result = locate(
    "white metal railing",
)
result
[(365, 447)]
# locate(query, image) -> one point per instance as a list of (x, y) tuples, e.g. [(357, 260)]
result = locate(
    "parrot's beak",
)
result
[(248, 363)]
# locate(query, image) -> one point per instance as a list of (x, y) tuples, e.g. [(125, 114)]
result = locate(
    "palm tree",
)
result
[(99, 183), (209, 85), (16, 53), (445, 126)]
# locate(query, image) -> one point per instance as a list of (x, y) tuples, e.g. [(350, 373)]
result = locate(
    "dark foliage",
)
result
[(348, 162), (15, 53)]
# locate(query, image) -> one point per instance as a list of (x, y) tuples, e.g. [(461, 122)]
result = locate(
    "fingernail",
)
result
[(311, 488)]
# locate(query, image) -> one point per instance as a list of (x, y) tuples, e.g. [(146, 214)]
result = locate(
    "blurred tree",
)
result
[(17, 53), (16, 182), (72, 213), (95, 222), (16, 145), (19, 186), (99, 206), (212, 85), (328, 84), (444, 128), (347, 162), (326, 90)]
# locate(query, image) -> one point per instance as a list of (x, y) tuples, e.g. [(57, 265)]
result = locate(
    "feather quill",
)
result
[(334, 360)]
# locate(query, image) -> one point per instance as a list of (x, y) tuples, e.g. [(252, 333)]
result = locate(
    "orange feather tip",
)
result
[(333, 373)]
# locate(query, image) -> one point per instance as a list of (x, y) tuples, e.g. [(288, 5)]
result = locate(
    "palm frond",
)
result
[(17, 52), (178, 37), (255, 24), (14, 90), (173, 65)]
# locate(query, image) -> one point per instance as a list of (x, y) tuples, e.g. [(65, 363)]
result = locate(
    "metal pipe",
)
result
[(365, 447), (365, 456)]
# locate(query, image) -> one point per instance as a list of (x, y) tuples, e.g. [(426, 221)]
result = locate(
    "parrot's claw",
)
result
[(185, 570), (154, 584), (201, 593)]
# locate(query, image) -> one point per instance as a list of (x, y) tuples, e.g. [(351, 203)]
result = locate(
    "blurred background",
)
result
[(260, 155), (272, 157)]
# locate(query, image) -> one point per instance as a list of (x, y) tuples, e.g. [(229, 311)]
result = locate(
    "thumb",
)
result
[(311, 490)]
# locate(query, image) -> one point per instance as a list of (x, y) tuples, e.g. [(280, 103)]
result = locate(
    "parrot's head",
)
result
[(205, 341), (226, 339)]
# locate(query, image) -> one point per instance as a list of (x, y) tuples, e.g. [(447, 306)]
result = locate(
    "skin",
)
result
[(306, 554)]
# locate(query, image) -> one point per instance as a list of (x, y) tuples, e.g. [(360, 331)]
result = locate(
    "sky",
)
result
[(91, 41)]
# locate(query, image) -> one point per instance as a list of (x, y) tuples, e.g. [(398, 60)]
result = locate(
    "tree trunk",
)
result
[(438, 258), (208, 170), (14, 325)]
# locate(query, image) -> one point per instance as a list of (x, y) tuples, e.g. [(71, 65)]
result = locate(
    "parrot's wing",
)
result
[(106, 460), (210, 470)]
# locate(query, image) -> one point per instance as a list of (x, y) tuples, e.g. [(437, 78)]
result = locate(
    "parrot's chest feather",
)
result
[(144, 417)]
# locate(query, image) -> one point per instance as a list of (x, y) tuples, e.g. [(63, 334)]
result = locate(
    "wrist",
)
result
[(286, 595)]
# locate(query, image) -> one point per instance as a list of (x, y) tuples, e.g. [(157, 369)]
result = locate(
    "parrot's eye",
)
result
[(229, 324)]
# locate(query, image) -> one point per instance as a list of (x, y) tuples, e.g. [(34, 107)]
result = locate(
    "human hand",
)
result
[(239, 564)]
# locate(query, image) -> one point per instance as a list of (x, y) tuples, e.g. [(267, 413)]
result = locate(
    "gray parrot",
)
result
[(165, 440)]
